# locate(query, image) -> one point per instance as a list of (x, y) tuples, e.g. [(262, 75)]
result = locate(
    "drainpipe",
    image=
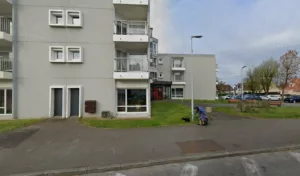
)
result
[(15, 59)]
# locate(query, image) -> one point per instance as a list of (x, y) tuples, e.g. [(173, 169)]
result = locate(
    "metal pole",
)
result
[(192, 45), (242, 85), (192, 99)]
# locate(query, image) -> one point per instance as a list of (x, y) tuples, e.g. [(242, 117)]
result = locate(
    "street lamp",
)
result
[(243, 83), (192, 79), (192, 37)]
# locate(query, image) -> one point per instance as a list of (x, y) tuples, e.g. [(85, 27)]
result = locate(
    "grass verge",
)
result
[(272, 112), (9, 125), (208, 101), (163, 114)]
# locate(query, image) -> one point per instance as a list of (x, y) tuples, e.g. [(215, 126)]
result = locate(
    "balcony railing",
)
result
[(131, 64), (178, 78), (131, 27), (5, 25), (178, 65), (5, 64)]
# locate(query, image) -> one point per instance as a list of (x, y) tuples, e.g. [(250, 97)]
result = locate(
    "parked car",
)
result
[(274, 97), (292, 99), (252, 97), (264, 97), (226, 97)]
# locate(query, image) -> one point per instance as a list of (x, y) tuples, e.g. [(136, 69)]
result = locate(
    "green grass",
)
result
[(163, 114), (272, 112), (9, 125)]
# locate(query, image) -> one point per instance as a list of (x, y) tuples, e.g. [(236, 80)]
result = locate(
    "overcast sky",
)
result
[(238, 32)]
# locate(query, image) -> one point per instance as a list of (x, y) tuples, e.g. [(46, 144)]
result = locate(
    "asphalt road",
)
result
[(271, 164)]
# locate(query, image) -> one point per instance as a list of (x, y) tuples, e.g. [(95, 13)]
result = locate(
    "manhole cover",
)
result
[(199, 146)]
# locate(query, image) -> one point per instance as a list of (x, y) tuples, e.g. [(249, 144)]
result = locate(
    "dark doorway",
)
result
[(74, 99), (58, 96)]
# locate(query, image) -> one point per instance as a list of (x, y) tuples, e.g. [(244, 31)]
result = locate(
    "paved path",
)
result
[(272, 164), (66, 144)]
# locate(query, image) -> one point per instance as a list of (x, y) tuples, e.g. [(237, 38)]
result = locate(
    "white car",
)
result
[(274, 97), (264, 97)]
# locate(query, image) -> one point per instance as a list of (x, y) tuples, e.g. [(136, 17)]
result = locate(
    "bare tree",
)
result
[(252, 80), (267, 71), (288, 69)]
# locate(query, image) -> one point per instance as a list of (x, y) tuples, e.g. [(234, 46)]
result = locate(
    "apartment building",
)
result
[(5, 58), (172, 78), (75, 58)]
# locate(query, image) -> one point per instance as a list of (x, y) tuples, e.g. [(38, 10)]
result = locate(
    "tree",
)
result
[(266, 73), (252, 80), (221, 86), (288, 69)]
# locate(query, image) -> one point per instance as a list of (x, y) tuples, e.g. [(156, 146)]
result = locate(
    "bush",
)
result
[(251, 106)]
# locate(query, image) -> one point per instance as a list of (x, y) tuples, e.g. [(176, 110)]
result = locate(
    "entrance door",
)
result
[(58, 106), (74, 99), (158, 93)]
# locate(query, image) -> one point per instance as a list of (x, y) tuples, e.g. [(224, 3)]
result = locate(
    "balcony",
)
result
[(178, 79), (5, 33), (131, 34), (178, 66), (132, 9), (135, 67), (5, 68)]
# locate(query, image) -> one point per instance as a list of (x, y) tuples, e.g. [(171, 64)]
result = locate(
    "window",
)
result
[(56, 18), (178, 77), (56, 54), (178, 63), (5, 101), (132, 100), (74, 18), (153, 75), (177, 93), (74, 54)]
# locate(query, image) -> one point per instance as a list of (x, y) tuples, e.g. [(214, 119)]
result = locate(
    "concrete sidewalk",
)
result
[(67, 144)]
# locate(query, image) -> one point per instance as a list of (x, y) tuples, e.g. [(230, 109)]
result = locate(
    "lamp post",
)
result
[(243, 83), (192, 77)]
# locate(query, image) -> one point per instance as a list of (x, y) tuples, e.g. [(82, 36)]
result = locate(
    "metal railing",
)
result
[(131, 64), (178, 64), (5, 25), (5, 64), (131, 27), (178, 78)]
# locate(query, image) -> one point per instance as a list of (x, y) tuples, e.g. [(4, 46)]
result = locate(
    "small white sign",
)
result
[(189, 170)]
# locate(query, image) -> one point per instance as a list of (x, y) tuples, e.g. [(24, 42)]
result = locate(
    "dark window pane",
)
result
[(136, 109), (136, 97), (121, 97), (8, 101), (1, 110), (121, 109), (2, 98)]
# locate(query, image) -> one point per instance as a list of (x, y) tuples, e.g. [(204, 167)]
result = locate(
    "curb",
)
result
[(118, 167)]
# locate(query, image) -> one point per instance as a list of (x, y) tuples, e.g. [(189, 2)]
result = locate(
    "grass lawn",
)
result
[(272, 112), (9, 125), (207, 101), (163, 114)]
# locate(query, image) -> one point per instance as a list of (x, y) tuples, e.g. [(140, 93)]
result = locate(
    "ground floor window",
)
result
[(177, 92), (132, 100), (5, 101)]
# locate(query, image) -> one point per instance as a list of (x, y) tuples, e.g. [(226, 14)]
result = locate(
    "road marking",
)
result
[(251, 167), (295, 155), (189, 170)]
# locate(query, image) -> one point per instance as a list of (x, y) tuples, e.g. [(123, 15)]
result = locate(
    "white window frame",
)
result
[(51, 12), (79, 48), (126, 106), (176, 97), (5, 101), (68, 17), (68, 109), (51, 49), (51, 100)]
